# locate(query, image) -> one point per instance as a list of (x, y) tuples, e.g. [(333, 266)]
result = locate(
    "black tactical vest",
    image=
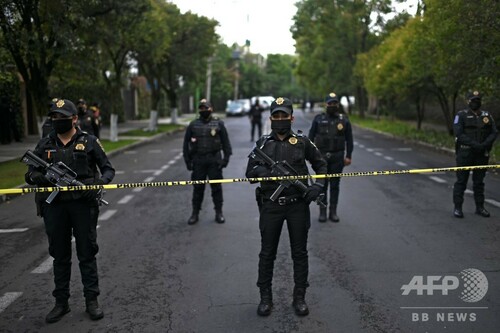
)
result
[(331, 133), (207, 136), (292, 150), (479, 127)]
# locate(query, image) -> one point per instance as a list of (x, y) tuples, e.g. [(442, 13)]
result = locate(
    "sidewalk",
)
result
[(15, 150)]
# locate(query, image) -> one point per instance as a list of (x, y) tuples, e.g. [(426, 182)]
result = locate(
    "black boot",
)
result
[(333, 214), (59, 310), (194, 217), (299, 302), (457, 212), (219, 218), (481, 211), (266, 302), (322, 214), (93, 309)]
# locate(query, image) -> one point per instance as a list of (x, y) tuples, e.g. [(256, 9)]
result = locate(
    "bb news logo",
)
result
[(471, 284)]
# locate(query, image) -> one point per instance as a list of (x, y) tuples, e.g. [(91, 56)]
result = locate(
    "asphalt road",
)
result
[(158, 274)]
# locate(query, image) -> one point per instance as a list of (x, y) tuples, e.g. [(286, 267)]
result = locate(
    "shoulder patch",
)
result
[(100, 144), (455, 121)]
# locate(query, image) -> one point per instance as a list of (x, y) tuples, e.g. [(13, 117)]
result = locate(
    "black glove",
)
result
[(38, 178), (91, 195), (223, 163), (313, 192), (189, 165), (262, 171)]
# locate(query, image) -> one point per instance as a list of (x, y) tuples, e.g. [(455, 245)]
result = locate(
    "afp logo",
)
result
[(473, 288)]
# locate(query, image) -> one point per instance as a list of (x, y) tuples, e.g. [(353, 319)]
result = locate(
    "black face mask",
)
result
[(332, 110), (81, 109), (205, 114), (281, 127), (475, 105), (62, 125)]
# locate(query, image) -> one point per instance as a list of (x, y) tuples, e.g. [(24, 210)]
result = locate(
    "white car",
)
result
[(265, 101), (235, 108)]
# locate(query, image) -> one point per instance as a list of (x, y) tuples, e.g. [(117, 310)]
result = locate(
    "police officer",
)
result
[(86, 120), (292, 206), (332, 134), (72, 212), (475, 132), (206, 151), (255, 116)]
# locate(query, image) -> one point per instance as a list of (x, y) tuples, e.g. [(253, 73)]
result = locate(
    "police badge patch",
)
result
[(213, 131), (292, 140), (486, 120), (340, 126), (80, 146)]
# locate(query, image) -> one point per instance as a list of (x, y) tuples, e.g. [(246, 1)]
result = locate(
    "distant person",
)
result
[(255, 116), (475, 132), (96, 112), (71, 213), (86, 120), (206, 151), (14, 123), (332, 134), (4, 120)]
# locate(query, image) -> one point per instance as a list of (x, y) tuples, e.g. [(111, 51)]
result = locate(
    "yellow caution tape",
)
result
[(240, 180)]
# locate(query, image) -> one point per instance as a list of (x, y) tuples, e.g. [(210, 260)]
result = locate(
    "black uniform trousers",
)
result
[(272, 216), (335, 164), (468, 157), (204, 166), (256, 124), (64, 219)]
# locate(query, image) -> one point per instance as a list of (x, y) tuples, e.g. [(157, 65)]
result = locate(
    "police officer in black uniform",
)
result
[(205, 140), (475, 132), (86, 119), (292, 206), (72, 213), (255, 115), (332, 134)]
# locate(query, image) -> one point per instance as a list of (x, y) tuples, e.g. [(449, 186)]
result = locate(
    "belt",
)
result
[(283, 201), (329, 154)]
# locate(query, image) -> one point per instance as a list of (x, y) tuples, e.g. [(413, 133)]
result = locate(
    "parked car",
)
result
[(247, 104), (235, 108)]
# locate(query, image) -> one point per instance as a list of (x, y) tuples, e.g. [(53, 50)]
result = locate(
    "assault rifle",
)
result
[(284, 169), (58, 174)]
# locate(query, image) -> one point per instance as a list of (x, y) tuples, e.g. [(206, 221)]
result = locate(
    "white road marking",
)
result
[(144, 171), (157, 172), (138, 189), (388, 158), (437, 179), (8, 298), (149, 179), (361, 146), (107, 214), (5, 231), (44, 267), (165, 167), (403, 164), (369, 150), (171, 162), (468, 192), (493, 202), (119, 172), (154, 151), (403, 149), (378, 154), (125, 199)]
